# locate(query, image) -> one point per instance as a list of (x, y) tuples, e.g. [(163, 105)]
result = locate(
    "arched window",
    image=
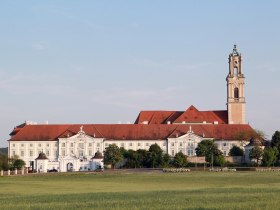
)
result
[(235, 71), (236, 93)]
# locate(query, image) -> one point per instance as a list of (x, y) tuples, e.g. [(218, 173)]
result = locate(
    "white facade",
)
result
[(225, 145), (75, 153)]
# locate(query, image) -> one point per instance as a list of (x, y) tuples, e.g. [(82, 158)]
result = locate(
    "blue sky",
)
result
[(104, 61)]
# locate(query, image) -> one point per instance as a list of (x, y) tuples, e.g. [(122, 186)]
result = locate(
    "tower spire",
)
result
[(235, 89)]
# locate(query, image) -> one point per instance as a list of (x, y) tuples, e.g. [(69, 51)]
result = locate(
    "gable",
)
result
[(193, 115), (156, 117)]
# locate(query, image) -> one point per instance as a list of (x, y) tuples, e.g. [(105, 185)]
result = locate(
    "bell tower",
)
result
[(235, 89)]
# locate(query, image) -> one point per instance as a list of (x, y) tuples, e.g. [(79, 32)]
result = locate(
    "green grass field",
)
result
[(195, 190)]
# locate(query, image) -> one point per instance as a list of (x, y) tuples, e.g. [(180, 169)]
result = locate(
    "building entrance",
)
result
[(69, 167)]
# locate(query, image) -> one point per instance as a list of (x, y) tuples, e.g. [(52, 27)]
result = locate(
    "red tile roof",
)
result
[(129, 131), (156, 117), (191, 115), (39, 132)]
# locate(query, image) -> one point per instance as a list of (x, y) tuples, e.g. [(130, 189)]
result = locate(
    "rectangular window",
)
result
[(106, 144), (72, 145), (98, 144), (31, 153), (81, 145), (22, 145), (63, 152), (63, 144), (72, 152), (90, 152), (147, 144), (81, 153), (14, 145), (30, 145), (190, 152), (172, 144), (130, 144), (122, 145), (90, 144), (139, 144), (48, 153), (14, 153), (181, 144), (163, 144), (48, 145), (172, 152), (21, 153)]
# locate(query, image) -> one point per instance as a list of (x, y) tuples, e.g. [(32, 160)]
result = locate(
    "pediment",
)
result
[(69, 157), (68, 134), (189, 134)]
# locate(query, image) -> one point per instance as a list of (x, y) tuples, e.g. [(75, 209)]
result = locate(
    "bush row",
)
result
[(222, 169), (176, 170), (267, 169)]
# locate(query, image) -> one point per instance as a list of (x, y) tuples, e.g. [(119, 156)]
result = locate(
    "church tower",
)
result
[(235, 89)]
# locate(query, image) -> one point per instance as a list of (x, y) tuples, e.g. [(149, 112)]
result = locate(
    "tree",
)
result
[(123, 151), (143, 157), (275, 141), (242, 135), (208, 149), (180, 160), (259, 134), (12, 160), (236, 151), (4, 163), (155, 156), (132, 158), (166, 160), (18, 164), (256, 153), (112, 155), (270, 156), (219, 160)]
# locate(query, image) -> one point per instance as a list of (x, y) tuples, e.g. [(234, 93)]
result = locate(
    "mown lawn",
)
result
[(195, 190)]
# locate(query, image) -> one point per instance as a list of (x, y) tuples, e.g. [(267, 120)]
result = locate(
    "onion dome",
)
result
[(42, 156), (98, 155)]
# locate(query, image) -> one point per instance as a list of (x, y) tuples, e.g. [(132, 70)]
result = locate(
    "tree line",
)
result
[(152, 158), (10, 163), (155, 157), (269, 156)]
